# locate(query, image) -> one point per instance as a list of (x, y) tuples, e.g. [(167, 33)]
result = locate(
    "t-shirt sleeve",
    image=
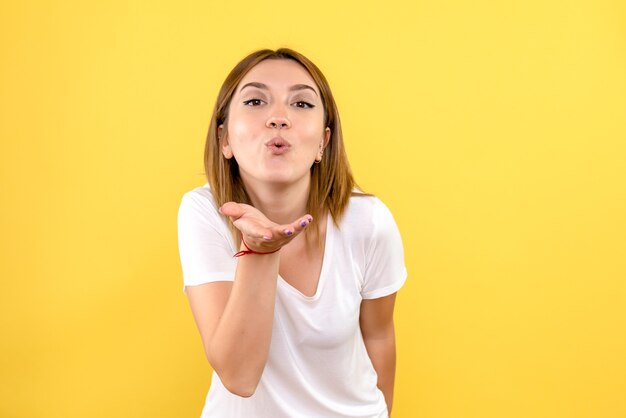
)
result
[(206, 253), (385, 270)]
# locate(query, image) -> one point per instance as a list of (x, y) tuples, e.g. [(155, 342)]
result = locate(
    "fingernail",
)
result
[(288, 232), (303, 224), (266, 237), (310, 219)]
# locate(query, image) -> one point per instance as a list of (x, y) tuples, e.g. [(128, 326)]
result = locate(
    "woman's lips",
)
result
[(278, 145)]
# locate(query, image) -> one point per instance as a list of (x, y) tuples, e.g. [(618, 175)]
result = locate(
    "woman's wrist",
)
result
[(247, 250)]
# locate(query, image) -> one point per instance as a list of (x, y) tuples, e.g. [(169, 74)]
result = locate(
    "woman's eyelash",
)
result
[(247, 102), (309, 105), (257, 102)]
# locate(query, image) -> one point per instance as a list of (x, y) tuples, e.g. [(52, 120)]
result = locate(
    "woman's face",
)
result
[(275, 128)]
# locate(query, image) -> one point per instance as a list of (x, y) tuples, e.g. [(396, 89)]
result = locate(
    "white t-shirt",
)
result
[(318, 365)]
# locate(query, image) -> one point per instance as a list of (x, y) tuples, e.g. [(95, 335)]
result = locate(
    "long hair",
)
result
[(331, 180)]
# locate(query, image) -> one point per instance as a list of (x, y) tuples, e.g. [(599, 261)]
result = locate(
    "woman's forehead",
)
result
[(278, 74)]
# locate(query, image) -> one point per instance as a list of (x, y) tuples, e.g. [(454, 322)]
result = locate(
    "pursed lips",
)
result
[(278, 145)]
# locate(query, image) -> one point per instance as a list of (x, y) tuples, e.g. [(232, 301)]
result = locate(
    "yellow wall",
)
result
[(495, 132)]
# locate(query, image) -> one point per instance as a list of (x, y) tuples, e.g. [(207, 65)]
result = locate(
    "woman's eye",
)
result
[(255, 102), (304, 105)]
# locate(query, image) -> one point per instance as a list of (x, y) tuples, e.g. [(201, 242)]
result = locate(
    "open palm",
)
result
[(259, 233)]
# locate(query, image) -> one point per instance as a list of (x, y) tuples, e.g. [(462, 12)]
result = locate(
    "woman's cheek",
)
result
[(240, 131)]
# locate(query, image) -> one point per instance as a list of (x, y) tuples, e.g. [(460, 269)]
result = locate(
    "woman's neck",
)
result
[(279, 203)]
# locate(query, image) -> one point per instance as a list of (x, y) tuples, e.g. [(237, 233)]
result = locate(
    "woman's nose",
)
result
[(278, 120)]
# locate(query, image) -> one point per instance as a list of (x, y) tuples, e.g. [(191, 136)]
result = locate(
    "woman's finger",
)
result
[(295, 227), (232, 209)]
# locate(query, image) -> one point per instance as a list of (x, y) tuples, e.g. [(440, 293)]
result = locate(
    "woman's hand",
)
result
[(259, 233)]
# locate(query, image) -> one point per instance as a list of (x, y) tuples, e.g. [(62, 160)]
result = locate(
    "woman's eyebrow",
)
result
[(264, 86)]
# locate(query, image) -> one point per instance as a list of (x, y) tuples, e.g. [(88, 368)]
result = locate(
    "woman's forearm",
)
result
[(240, 344), (382, 352)]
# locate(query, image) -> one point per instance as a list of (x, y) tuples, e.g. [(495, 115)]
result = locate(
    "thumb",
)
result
[(232, 209)]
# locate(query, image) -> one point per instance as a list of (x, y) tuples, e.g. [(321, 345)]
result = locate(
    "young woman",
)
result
[(291, 272)]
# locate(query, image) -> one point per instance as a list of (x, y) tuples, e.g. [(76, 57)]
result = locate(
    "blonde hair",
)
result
[(332, 183)]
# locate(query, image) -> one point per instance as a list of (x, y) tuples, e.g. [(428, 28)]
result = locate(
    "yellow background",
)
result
[(494, 130)]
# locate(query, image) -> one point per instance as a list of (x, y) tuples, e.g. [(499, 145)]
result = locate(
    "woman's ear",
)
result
[(323, 145), (222, 135), (326, 136)]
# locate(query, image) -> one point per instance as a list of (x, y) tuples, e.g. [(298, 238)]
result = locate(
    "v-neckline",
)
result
[(328, 242)]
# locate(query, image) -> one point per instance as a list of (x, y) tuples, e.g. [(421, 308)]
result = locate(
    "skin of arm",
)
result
[(377, 328), (235, 318), (235, 321)]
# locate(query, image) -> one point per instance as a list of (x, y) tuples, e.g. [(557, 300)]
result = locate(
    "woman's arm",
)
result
[(377, 327), (235, 318), (235, 321)]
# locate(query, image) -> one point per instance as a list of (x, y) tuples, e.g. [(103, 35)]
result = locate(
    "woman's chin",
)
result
[(283, 177), (277, 176), (279, 179)]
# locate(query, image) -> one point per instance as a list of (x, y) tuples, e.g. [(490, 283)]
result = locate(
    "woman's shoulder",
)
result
[(365, 215), (365, 204), (200, 198), (201, 193)]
